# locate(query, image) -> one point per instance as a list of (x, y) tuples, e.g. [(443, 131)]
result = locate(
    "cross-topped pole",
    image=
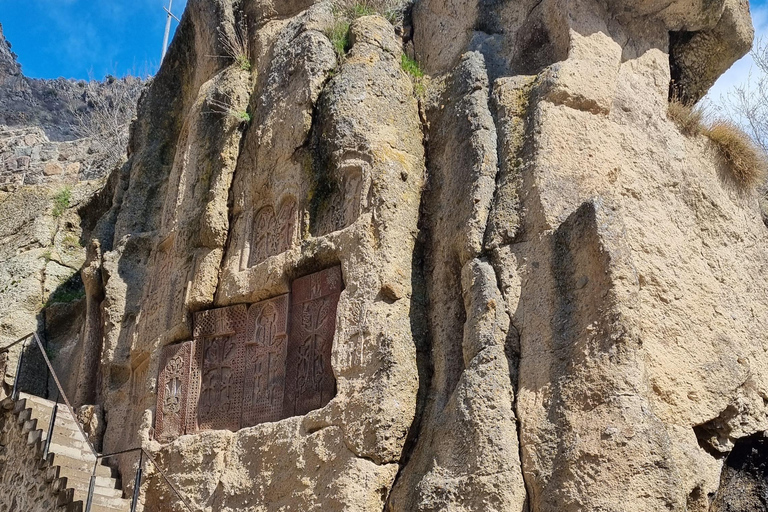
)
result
[(168, 27)]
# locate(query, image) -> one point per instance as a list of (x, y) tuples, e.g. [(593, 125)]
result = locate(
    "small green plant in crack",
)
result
[(61, 201), (339, 37), (235, 45), (412, 68), (226, 108)]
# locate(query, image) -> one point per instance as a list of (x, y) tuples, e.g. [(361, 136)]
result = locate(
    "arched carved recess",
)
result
[(273, 230), (348, 196)]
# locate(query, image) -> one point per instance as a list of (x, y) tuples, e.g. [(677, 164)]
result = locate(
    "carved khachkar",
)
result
[(217, 369), (273, 233), (173, 386), (165, 294), (310, 383), (266, 346)]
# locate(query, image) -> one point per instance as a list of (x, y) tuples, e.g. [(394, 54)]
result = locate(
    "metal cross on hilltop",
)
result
[(168, 27)]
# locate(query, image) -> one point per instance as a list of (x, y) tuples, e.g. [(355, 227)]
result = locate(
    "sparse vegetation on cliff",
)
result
[(412, 67), (61, 201), (339, 37), (688, 118), (393, 10), (745, 160), (235, 45)]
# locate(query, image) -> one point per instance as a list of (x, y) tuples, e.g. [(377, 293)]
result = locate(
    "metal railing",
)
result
[(60, 394)]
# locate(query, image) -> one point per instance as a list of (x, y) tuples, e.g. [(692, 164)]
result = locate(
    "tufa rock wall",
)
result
[(552, 299)]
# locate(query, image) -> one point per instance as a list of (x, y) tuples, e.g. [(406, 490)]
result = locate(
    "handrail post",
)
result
[(15, 394), (137, 482), (91, 487), (51, 426)]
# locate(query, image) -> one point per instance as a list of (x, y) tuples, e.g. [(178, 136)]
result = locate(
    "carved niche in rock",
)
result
[(349, 199), (252, 365), (173, 390), (314, 300), (272, 232), (217, 371), (166, 294), (139, 369)]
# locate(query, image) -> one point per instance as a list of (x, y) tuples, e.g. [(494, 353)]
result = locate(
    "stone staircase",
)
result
[(69, 464)]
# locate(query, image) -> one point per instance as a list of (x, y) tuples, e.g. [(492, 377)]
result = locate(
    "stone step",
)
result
[(73, 474), (73, 452), (101, 508), (81, 486), (32, 401), (79, 465), (103, 501), (63, 419)]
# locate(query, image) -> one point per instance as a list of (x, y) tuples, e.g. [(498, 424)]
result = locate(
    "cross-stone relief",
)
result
[(273, 232), (218, 376), (265, 351), (314, 299), (173, 387), (247, 366), (166, 294)]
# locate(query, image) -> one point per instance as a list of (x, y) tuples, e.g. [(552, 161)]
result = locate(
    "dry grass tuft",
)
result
[(393, 10), (746, 162), (688, 117)]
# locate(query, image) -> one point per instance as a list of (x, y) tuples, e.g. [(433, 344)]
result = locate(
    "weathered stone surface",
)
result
[(22, 482), (551, 301), (366, 149), (699, 58)]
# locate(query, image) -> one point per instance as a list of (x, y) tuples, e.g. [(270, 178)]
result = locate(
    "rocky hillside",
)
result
[(60, 130), (59, 139), (448, 256)]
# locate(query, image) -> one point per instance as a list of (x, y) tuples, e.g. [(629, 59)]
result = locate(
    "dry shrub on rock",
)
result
[(688, 117), (746, 162)]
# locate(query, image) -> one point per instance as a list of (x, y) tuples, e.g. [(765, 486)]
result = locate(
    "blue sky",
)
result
[(739, 72), (84, 38), (92, 38)]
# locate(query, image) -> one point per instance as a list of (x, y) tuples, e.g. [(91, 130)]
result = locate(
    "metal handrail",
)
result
[(7, 348), (151, 459), (63, 395)]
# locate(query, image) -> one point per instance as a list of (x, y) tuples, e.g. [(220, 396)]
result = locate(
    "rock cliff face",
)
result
[(59, 139), (551, 299)]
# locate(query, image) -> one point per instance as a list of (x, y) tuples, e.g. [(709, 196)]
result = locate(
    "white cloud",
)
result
[(739, 72)]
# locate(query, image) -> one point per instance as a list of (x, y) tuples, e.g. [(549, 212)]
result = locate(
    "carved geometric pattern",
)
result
[(265, 352), (273, 233), (166, 293), (310, 383), (173, 386), (247, 366), (264, 229), (216, 402)]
